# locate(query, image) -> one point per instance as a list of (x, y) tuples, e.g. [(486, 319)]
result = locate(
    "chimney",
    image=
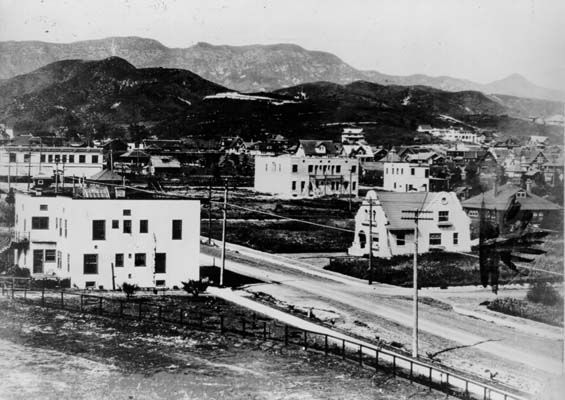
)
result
[(528, 185)]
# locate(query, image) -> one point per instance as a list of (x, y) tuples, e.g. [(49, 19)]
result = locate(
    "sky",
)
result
[(480, 40)]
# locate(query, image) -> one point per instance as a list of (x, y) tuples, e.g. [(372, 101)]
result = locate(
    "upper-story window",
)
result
[(13, 157), (353, 168), (43, 207), (294, 167), (81, 158), (99, 229), (426, 173), (94, 159), (310, 169), (50, 158), (338, 169), (71, 158), (42, 158), (143, 226), (443, 216), (126, 212), (177, 229), (39, 223), (412, 171), (64, 158)]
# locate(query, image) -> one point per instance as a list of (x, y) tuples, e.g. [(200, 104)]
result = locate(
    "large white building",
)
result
[(19, 161), (406, 177), (448, 229), (315, 170), (149, 242)]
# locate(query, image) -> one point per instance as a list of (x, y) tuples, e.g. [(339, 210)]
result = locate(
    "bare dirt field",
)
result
[(52, 354)]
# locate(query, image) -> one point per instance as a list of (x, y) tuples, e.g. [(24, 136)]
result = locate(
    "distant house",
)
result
[(406, 177), (448, 229), (309, 148), (163, 165), (496, 202)]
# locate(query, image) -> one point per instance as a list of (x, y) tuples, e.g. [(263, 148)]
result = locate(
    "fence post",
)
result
[(343, 348), (140, 305), (286, 335), (394, 365), (411, 369), (432, 380), (121, 308), (221, 324), (467, 389), (100, 305), (264, 330), (181, 312), (376, 359), (12, 291), (326, 345), (25, 293), (361, 355), (305, 340), (43, 295), (81, 302), (62, 300)]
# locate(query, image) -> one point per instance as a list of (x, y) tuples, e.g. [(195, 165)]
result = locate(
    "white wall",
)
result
[(398, 177), (181, 255)]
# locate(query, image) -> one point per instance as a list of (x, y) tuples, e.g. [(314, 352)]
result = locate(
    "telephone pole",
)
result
[(225, 217), (370, 241), (414, 215), (210, 212)]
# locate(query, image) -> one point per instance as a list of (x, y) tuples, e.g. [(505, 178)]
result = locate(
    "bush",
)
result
[(129, 289), (535, 311), (195, 287), (544, 293)]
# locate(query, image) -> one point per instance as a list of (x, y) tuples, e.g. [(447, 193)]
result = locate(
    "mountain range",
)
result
[(249, 68), (102, 97)]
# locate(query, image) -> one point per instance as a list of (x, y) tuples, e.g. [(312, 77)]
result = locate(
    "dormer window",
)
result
[(521, 194)]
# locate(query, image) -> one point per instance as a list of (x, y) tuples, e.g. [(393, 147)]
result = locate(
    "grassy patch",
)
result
[(552, 315)]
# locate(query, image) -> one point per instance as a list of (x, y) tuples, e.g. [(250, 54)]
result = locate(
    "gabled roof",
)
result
[(502, 198), (309, 147), (106, 175), (394, 202), (135, 154), (422, 156), (164, 162)]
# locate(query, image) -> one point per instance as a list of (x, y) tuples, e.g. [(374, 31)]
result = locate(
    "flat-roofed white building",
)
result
[(406, 177), (106, 241), (448, 229), (35, 160)]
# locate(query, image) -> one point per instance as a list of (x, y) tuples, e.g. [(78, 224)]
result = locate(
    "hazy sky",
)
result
[(481, 40)]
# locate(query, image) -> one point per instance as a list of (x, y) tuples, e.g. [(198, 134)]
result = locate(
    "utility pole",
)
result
[(225, 217), (416, 218), (113, 277), (29, 167), (350, 183), (210, 212), (370, 241)]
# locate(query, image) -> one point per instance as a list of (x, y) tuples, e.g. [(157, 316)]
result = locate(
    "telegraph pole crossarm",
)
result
[(415, 215)]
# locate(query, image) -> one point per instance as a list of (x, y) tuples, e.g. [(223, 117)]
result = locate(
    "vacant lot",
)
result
[(53, 354)]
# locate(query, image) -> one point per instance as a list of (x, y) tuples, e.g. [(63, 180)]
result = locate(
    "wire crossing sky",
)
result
[(481, 40)]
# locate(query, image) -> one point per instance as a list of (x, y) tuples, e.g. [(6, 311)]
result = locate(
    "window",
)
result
[(89, 284), (177, 229), (81, 159), (455, 238), (119, 260), (126, 212), (139, 260), (473, 213), (12, 157), (42, 158), (303, 185), (426, 173), (50, 256), (294, 167), (443, 216), (412, 171), (59, 260), (160, 263), (40, 223), (57, 158), (64, 158), (127, 225), (143, 226), (400, 239), (94, 159), (338, 169), (353, 168), (65, 228), (43, 207), (293, 185), (90, 265), (27, 157), (68, 263), (310, 169), (71, 158), (353, 185), (99, 229), (435, 239), (115, 224), (50, 158), (160, 282)]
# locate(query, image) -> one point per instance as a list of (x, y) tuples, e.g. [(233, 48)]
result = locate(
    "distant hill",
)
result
[(249, 68), (94, 97)]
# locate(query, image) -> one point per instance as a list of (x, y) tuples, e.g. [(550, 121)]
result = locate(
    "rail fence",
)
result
[(260, 327)]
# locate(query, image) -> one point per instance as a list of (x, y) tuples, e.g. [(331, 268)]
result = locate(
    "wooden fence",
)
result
[(433, 376)]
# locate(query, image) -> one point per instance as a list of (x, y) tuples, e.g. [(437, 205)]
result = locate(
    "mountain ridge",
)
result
[(247, 68)]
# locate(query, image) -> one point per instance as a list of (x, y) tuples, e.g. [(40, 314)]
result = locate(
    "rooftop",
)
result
[(500, 200)]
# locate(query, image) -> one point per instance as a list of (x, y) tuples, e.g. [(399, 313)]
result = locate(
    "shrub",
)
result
[(195, 287), (129, 289), (535, 311), (544, 293)]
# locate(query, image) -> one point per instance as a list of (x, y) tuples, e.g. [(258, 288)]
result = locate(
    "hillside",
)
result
[(244, 68), (95, 97)]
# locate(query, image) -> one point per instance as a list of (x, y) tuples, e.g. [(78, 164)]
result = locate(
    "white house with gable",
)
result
[(97, 238), (448, 229)]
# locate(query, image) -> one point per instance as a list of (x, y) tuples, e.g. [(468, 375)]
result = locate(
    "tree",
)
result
[(129, 289), (195, 287)]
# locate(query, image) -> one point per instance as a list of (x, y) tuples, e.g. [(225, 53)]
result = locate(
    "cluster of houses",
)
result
[(100, 233)]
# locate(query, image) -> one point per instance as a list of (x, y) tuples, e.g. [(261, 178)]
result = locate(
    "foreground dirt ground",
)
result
[(52, 354)]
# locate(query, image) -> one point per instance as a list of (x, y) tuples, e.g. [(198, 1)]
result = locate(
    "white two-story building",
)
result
[(406, 177), (446, 226), (19, 161), (317, 169), (96, 238)]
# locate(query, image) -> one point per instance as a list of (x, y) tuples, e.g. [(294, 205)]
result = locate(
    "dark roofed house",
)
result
[(496, 201), (107, 176), (319, 148)]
